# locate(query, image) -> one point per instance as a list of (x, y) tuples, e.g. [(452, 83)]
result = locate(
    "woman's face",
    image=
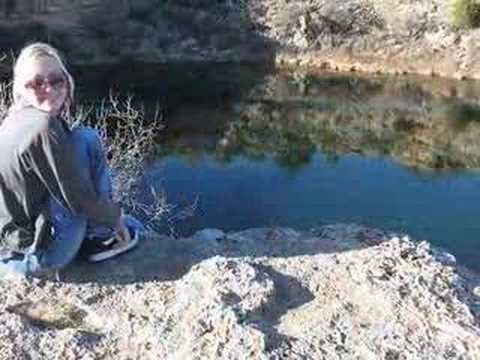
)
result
[(43, 84)]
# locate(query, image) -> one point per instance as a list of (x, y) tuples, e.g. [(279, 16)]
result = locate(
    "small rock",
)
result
[(55, 313), (209, 235), (447, 259)]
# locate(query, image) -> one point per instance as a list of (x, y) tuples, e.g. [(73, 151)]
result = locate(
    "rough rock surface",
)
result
[(388, 36), (336, 292)]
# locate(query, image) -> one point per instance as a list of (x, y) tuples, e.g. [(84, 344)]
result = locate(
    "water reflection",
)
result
[(300, 149), (226, 110), (421, 124)]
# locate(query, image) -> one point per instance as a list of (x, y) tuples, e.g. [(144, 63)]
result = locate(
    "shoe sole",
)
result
[(114, 252)]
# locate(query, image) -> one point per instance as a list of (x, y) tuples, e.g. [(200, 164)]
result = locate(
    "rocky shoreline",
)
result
[(335, 292)]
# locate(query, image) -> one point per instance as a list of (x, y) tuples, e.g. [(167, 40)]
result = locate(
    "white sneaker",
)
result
[(111, 247)]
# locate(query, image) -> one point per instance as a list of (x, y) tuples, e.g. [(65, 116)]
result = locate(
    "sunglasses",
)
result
[(55, 81)]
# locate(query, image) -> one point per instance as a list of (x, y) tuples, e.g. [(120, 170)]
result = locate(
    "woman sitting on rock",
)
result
[(55, 185)]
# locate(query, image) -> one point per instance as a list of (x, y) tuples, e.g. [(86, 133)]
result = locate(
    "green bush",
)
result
[(465, 13)]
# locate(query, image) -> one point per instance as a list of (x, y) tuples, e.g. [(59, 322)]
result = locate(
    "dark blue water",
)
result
[(302, 150), (377, 192)]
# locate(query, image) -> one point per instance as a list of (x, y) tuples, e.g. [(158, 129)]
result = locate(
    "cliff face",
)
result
[(378, 36), (390, 36), (91, 31)]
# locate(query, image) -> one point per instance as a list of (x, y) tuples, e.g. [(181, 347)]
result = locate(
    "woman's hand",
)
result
[(121, 231)]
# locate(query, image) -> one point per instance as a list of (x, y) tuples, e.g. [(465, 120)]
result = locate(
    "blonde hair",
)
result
[(35, 51)]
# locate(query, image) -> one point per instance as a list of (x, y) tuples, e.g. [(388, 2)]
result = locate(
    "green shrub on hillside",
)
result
[(465, 13)]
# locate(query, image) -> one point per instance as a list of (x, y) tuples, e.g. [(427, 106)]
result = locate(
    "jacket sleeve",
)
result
[(52, 157)]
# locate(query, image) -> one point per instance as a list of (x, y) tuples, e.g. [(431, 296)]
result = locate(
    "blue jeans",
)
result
[(70, 230)]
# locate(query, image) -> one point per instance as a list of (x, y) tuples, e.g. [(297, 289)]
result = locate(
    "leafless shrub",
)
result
[(5, 99), (129, 139)]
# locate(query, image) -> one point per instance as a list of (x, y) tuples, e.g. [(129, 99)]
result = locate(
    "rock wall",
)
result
[(98, 31), (387, 36), (391, 36), (27, 10)]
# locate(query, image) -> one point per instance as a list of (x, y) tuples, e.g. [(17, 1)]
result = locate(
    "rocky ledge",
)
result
[(336, 292)]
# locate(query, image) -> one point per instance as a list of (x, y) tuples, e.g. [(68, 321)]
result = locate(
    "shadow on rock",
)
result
[(161, 258), (289, 294)]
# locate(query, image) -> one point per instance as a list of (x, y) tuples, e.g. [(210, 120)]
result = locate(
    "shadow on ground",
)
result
[(162, 258)]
